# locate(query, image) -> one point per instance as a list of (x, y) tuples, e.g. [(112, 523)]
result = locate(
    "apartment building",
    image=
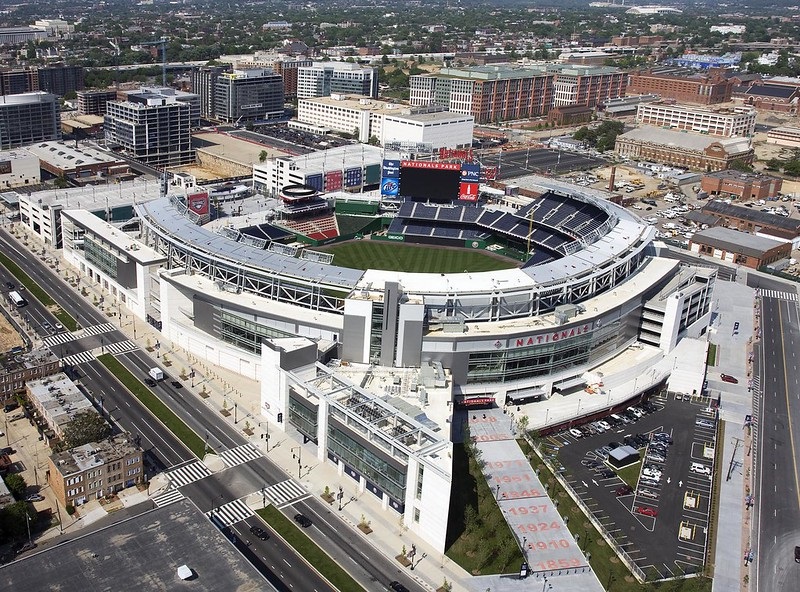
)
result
[(57, 401), (96, 470), (27, 118), (61, 80), (320, 79), (729, 123), (18, 368), (15, 81), (150, 127), (501, 92), (703, 88), (248, 95)]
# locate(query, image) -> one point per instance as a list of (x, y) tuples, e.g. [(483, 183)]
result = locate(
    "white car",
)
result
[(575, 432), (605, 425), (700, 469)]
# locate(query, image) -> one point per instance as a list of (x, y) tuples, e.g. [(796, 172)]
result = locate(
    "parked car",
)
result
[(729, 378), (302, 520), (662, 437), (34, 497), (648, 493), (576, 433), (624, 490), (645, 511), (700, 469), (613, 445), (606, 473), (656, 458), (704, 423)]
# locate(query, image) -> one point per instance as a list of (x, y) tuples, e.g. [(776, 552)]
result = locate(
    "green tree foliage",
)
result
[(16, 485), (86, 427), (742, 166), (13, 520), (602, 137)]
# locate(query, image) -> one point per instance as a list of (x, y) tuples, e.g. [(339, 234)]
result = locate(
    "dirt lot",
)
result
[(9, 338)]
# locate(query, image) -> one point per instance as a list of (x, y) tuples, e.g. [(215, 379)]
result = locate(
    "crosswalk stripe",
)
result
[(285, 492), (778, 294), (240, 455), (121, 347), (58, 339), (79, 358), (188, 473), (169, 497), (230, 513)]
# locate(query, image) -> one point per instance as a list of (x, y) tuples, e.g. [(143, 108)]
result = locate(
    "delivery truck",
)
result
[(156, 374)]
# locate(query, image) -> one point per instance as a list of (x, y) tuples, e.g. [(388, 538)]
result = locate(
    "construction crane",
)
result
[(162, 44)]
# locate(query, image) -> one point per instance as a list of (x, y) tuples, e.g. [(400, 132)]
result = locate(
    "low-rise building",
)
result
[(681, 85), (386, 121), (739, 247), (18, 168), (764, 96), (739, 121), (755, 221), (685, 149), (18, 368), (741, 185), (82, 164), (784, 136), (57, 401), (96, 470)]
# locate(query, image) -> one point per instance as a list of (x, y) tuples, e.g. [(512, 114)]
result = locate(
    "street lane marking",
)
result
[(788, 410)]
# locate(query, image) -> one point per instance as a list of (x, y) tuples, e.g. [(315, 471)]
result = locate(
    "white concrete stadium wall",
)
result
[(433, 504)]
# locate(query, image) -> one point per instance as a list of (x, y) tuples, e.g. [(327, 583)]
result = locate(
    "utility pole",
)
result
[(736, 442)]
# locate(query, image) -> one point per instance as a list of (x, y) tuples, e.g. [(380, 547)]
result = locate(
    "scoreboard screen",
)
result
[(430, 181)]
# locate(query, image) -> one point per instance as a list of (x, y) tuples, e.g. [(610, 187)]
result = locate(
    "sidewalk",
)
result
[(224, 389)]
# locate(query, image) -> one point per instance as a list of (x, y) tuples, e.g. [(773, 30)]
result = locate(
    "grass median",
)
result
[(296, 539), (183, 432), (38, 292)]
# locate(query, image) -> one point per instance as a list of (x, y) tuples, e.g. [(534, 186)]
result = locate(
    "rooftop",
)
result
[(144, 552), (97, 198), (735, 241), (32, 359), (685, 140), (94, 454), (66, 156), (26, 98), (720, 208), (123, 245), (59, 398)]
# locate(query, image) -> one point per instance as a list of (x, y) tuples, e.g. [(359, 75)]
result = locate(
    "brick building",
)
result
[(18, 368), (687, 87), (741, 185), (752, 220), (684, 149), (93, 102), (561, 116), (95, 470), (739, 247), (764, 96)]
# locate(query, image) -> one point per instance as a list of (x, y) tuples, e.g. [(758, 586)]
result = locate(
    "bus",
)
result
[(18, 300)]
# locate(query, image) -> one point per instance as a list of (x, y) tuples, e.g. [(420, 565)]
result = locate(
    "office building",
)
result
[(191, 99), (17, 35), (96, 470), (386, 121), (739, 121), (93, 102), (706, 88), (27, 118), (501, 92), (248, 95), (323, 78), (151, 128), (684, 149), (204, 84)]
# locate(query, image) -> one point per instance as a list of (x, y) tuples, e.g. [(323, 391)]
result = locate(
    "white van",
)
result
[(700, 469)]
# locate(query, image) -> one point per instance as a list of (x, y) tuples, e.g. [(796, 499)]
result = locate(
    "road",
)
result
[(357, 556), (777, 491)]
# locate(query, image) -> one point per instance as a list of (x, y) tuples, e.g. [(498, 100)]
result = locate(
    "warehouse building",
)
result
[(739, 247)]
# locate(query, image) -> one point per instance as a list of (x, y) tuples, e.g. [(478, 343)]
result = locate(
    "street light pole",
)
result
[(299, 458)]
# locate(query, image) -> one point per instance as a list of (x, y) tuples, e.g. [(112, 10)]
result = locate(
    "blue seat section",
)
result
[(266, 231)]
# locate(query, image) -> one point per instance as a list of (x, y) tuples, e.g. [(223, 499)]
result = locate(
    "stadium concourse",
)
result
[(588, 288)]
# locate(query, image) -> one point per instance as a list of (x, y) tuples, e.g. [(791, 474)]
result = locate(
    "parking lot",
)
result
[(661, 520)]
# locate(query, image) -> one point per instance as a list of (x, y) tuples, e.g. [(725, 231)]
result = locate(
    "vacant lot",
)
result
[(401, 257)]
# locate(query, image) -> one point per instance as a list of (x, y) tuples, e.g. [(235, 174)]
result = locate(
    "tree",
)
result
[(740, 165), (86, 427), (13, 519), (773, 164), (263, 156), (16, 485)]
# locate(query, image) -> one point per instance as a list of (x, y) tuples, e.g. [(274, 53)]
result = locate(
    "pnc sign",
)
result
[(552, 337)]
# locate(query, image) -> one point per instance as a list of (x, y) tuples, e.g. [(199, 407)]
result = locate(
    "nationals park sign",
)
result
[(551, 337)]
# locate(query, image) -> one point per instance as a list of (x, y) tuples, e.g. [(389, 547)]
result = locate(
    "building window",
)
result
[(416, 515), (420, 475)]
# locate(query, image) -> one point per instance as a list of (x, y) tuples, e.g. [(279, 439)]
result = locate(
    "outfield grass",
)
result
[(296, 539), (174, 423), (391, 256), (37, 292)]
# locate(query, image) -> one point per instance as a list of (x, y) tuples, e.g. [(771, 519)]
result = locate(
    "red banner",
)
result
[(198, 202), (468, 192)]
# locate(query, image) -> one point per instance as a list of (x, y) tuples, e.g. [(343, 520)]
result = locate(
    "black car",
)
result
[(606, 474), (259, 533), (398, 587), (797, 554), (10, 285), (302, 520), (149, 382), (177, 384)]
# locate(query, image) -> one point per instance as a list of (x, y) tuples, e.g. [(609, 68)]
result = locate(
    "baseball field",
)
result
[(389, 256)]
